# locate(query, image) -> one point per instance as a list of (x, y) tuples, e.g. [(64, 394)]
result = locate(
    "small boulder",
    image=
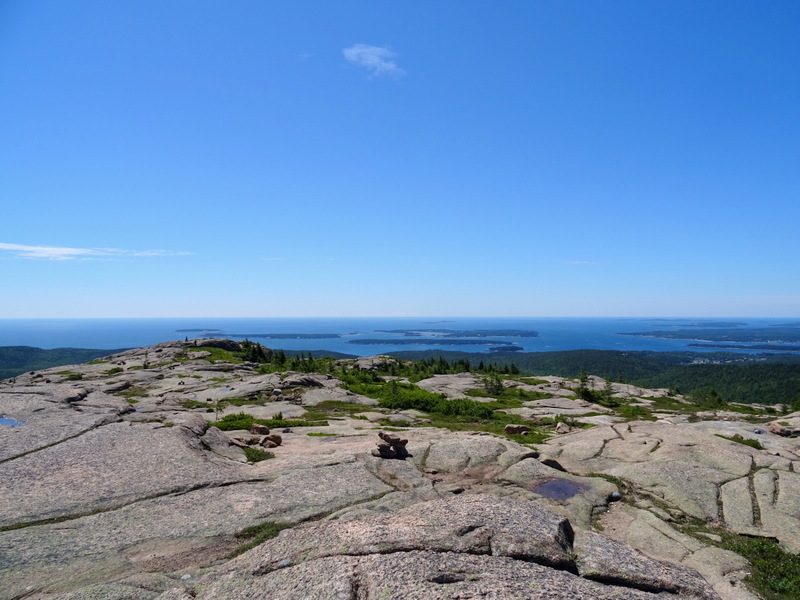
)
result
[(272, 441), (257, 429), (562, 428), (517, 429), (778, 429)]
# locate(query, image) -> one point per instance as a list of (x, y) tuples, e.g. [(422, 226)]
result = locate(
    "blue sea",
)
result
[(346, 334)]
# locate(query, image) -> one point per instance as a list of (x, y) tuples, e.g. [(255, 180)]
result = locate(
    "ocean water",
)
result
[(554, 333)]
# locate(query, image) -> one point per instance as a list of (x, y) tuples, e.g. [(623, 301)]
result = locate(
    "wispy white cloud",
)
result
[(64, 253), (375, 59)]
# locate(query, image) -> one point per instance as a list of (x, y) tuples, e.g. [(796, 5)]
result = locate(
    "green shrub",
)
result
[(256, 455), (244, 421), (775, 573), (744, 441), (635, 413), (258, 534)]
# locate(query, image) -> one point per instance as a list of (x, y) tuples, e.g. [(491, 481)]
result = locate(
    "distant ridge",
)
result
[(15, 360)]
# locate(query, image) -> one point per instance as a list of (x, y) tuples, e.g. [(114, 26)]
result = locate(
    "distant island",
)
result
[(440, 341), (271, 336), (463, 333), (736, 346), (773, 336), (284, 336)]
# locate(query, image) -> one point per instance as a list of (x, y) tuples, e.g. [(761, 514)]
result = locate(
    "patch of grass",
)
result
[(386, 428), (188, 403), (70, 375), (321, 434), (98, 361), (216, 354), (336, 406), (255, 455), (131, 401), (534, 381), (220, 379), (513, 396), (744, 441), (114, 371), (665, 403), (245, 401), (635, 413), (244, 421), (495, 425), (134, 390), (258, 534)]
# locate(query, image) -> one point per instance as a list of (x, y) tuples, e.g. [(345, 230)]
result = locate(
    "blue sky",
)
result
[(574, 158)]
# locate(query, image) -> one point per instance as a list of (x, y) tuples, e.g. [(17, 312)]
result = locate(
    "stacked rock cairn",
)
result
[(390, 446)]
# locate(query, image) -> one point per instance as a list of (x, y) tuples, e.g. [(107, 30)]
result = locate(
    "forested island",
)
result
[(781, 334), (440, 341), (458, 333)]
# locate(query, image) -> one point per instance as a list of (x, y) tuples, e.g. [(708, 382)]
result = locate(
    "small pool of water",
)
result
[(557, 489), (11, 422)]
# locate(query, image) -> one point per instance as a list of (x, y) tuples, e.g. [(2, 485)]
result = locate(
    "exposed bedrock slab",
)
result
[(635, 448), (644, 531), (105, 467), (737, 505), (580, 446), (454, 456), (171, 532), (466, 547), (466, 524), (326, 394), (50, 414), (778, 496), (453, 386), (603, 559), (576, 497), (416, 575), (690, 487)]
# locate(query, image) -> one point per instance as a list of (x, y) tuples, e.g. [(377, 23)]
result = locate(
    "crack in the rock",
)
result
[(358, 589), (754, 499), (776, 488), (178, 491), (603, 446), (567, 565), (626, 583), (66, 439), (424, 460)]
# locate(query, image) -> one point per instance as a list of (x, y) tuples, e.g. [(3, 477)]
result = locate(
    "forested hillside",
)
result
[(20, 359), (763, 378)]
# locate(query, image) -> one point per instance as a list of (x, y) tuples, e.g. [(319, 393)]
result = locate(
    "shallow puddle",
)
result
[(12, 422), (557, 489)]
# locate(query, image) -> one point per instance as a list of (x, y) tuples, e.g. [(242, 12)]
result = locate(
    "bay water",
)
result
[(346, 335)]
